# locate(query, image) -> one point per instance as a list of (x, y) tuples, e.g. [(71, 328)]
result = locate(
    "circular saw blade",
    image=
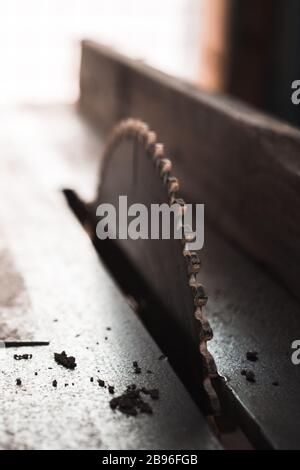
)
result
[(134, 165)]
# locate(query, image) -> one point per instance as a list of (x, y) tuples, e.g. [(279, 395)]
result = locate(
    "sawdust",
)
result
[(131, 402), (249, 374), (252, 356), (64, 360), (19, 357)]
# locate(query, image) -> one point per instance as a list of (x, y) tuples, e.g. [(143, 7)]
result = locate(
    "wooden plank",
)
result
[(56, 289), (243, 165)]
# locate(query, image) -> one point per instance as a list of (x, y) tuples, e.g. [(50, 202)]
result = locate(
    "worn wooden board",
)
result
[(54, 287), (243, 165)]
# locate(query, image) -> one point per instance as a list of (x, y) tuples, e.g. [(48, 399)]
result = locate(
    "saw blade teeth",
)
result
[(132, 130), (193, 262), (158, 152), (150, 142), (207, 334), (185, 251), (189, 234), (142, 135), (193, 283), (180, 202), (143, 131), (172, 198), (200, 298), (173, 185), (193, 269), (129, 123), (165, 168)]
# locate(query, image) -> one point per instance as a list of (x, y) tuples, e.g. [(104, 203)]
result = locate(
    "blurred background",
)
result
[(248, 49)]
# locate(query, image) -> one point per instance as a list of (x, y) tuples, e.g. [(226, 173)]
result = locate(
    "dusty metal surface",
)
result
[(65, 295), (249, 311)]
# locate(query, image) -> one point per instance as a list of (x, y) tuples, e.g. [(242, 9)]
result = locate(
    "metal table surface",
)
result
[(47, 149), (250, 311), (54, 287)]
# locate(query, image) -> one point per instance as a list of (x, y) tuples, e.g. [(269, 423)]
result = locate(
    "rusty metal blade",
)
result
[(134, 165)]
